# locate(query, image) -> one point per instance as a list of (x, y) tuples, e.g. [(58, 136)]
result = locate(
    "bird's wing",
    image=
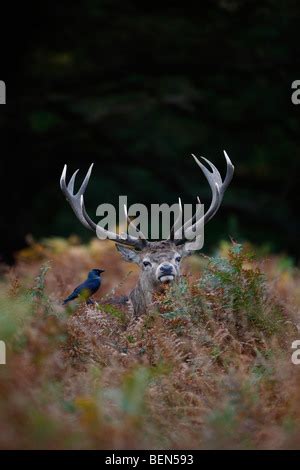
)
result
[(93, 285), (90, 286)]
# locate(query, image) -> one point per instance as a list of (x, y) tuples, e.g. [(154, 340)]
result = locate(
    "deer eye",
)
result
[(146, 263), (178, 258)]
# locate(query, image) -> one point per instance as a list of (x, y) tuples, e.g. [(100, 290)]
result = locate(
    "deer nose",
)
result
[(166, 268)]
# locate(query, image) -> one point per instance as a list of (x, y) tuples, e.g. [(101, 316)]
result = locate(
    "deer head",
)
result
[(159, 261)]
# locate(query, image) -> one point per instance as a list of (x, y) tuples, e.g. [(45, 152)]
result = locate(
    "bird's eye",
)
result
[(146, 263), (178, 258)]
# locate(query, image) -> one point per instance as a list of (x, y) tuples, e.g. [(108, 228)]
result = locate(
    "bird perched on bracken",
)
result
[(87, 288)]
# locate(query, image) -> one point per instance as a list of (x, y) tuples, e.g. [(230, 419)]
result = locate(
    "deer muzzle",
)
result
[(166, 272)]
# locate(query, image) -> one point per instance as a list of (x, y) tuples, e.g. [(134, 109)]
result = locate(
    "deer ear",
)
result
[(128, 254), (184, 251)]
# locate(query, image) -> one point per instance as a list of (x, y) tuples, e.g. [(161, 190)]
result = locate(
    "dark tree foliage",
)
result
[(136, 89)]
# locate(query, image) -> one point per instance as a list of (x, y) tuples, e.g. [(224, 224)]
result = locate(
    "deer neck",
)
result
[(141, 296)]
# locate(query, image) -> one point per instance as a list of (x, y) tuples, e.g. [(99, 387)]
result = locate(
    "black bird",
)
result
[(87, 288)]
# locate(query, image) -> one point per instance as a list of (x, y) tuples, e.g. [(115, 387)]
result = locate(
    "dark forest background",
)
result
[(137, 89)]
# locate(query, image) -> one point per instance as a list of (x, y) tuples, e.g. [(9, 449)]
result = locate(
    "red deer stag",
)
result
[(159, 260)]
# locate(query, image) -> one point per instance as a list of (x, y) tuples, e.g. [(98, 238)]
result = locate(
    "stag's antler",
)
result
[(218, 188), (76, 201), (178, 235)]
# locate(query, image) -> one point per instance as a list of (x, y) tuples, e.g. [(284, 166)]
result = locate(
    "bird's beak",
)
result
[(102, 270)]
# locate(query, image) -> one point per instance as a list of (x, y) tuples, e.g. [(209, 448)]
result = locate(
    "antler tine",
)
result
[(178, 219), (71, 182), (229, 172), (222, 185), (191, 221), (131, 222), (85, 182), (215, 182), (76, 201), (218, 188), (214, 179), (191, 226), (63, 185)]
